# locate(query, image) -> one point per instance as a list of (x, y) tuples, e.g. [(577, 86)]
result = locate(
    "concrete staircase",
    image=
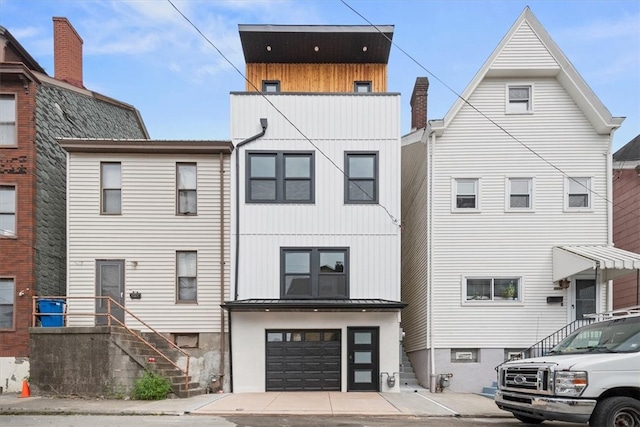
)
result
[(489, 391), (152, 359), (408, 380)]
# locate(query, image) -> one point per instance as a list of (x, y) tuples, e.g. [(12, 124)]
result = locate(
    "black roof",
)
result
[(313, 305), (316, 44), (631, 151)]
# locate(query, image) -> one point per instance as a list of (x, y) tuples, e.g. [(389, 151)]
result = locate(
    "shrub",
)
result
[(151, 386)]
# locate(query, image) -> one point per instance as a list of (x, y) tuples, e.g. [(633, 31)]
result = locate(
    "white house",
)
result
[(507, 213), (316, 211), (148, 225)]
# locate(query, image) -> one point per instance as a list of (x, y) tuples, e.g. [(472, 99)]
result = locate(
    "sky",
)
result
[(144, 53)]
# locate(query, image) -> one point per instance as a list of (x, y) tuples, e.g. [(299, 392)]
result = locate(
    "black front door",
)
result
[(363, 351), (585, 297)]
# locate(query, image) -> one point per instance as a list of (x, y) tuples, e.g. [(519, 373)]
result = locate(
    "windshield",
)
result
[(612, 336)]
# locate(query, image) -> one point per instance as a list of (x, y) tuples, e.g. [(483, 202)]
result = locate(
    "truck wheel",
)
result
[(616, 412), (528, 420)]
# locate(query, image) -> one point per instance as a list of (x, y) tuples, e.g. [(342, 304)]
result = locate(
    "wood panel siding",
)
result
[(317, 77), (147, 236)]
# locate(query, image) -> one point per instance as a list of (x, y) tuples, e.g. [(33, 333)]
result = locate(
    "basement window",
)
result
[(186, 340), (464, 355)]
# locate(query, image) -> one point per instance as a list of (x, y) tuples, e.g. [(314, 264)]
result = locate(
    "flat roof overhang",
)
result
[(313, 305), (316, 44)]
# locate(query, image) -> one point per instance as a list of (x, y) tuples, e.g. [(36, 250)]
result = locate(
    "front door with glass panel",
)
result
[(585, 297), (109, 283), (363, 354)]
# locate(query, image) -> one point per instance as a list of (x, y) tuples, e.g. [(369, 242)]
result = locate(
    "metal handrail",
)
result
[(111, 317)]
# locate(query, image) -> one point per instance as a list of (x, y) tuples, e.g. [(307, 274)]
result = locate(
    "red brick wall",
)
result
[(17, 167), (626, 231), (67, 52)]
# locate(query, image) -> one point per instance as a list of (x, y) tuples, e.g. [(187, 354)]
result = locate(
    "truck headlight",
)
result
[(570, 383)]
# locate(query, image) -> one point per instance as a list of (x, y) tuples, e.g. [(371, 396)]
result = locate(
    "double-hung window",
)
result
[(315, 273), (465, 194), (187, 276), (520, 193), (519, 99), (186, 180), (7, 120), (280, 177), (7, 301), (361, 177), (7, 210), (111, 187), (578, 192), (492, 288)]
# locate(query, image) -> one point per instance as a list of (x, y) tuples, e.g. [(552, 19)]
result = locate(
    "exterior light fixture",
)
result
[(316, 48), (268, 48), (364, 48)]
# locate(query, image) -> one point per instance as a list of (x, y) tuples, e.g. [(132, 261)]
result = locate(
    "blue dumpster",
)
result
[(51, 306)]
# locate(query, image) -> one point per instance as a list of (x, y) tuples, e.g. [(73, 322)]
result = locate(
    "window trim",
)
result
[(363, 83), (179, 190), (493, 300), (15, 119), (13, 320), (280, 178), (508, 194), (15, 212), (454, 195), (275, 83), (375, 179), (589, 193), (508, 107), (177, 282), (314, 266), (103, 188)]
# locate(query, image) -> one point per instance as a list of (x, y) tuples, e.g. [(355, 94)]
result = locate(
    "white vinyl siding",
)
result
[(537, 55), (147, 236), (358, 124), (507, 244)]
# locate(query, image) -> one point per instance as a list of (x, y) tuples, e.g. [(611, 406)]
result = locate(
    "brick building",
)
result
[(35, 110)]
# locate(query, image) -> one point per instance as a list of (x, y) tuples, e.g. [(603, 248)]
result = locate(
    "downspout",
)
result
[(221, 371), (610, 214), (264, 124), (432, 356)]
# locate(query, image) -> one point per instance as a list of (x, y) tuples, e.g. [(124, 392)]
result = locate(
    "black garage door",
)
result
[(303, 360)]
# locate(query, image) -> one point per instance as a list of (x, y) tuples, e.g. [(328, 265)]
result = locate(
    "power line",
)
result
[(283, 115)]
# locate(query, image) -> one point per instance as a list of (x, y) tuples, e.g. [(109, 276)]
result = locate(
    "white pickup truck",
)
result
[(592, 376)]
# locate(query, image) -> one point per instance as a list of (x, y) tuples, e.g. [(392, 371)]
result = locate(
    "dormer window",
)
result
[(271, 86), (362, 87), (519, 99)]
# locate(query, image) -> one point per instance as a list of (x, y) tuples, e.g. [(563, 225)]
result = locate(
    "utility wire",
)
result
[(473, 106), (393, 219)]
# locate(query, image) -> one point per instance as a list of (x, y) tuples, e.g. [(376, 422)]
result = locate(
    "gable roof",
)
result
[(543, 59), (630, 151), (27, 59)]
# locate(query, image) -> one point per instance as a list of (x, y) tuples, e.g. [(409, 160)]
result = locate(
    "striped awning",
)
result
[(611, 262)]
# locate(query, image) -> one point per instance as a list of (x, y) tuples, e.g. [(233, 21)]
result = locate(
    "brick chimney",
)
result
[(67, 52), (419, 103)]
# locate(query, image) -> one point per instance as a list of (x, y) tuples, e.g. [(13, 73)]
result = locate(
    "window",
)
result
[(111, 183), (280, 177), (520, 191), (187, 283), (271, 86), (186, 182), (7, 120), (7, 210), (466, 194), (315, 273), (7, 301), (578, 192), (519, 99), (464, 355), (361, 177), (362, 87), (492, 289)]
